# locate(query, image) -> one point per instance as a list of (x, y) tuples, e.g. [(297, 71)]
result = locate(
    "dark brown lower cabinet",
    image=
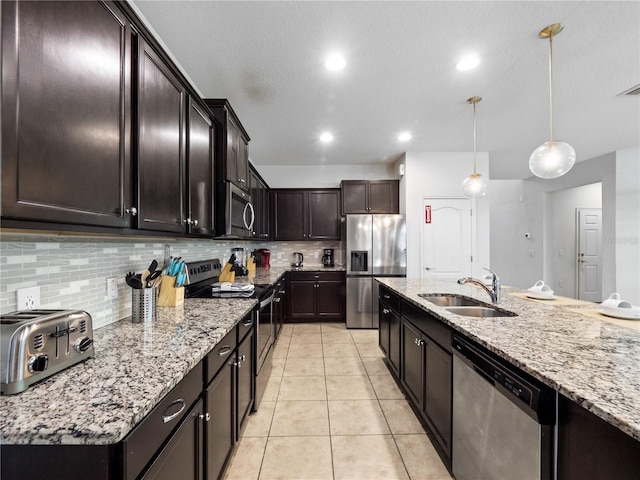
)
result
[(245, 379), (182, 455), (316, 296), (219, 436), (389, 329), (589, 448)]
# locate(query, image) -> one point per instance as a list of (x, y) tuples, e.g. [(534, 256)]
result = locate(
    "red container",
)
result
[(263, 257)]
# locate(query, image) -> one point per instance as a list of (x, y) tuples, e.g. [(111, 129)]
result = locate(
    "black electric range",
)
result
[(203, 274)]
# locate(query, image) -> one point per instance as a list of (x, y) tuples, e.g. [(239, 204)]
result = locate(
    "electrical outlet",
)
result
[(28, 298), (112, 288)]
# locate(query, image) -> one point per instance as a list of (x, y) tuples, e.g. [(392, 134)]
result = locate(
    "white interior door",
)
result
[(589, 259), (447, 237)]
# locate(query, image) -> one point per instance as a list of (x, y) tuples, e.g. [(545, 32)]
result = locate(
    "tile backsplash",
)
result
[(72, 271)]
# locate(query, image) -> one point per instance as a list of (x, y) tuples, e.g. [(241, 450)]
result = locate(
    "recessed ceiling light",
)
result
[(326, 137), (335, 62), (404, 136), (468, 62)]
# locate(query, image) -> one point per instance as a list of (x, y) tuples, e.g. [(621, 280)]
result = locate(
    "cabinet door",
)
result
[(232, 154), (161, 144), (437, 405), (354, 197), (265, 212), (201, 168), (66, 115), (330, 299), (302, 299), (256, 199), (383, 196), (412, 363), (245, 381), (289, 218), (384, 319), (219, 436), (182, 455), (394, 342), (323, 214), (242, 161)]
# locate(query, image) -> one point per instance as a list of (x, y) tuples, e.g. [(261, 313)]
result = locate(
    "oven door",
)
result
[(264, 328), (237, 217)]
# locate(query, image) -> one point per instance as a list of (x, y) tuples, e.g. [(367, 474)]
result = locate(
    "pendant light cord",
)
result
[(474, 138), (551, 88)]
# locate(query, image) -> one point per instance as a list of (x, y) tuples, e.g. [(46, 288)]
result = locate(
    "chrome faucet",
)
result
[(494, 292)]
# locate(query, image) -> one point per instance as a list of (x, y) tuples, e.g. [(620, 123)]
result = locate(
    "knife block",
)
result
[(170, 295)]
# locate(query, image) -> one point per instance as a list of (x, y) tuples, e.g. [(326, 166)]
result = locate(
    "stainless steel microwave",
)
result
[(235, 215)]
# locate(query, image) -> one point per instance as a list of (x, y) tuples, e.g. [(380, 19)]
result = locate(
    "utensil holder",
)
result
[(170, 295), (143, 305)]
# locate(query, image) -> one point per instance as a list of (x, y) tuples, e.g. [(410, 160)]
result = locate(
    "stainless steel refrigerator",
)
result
[(376, 246)]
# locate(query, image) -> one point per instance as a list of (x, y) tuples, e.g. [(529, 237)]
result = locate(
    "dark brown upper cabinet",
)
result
[(306, 214), (232, 145), (259, 191), (200, 166), (370, 196), (161, 144), (66, 113)]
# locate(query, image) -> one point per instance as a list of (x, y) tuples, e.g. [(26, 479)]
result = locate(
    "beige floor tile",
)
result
[(259, 423), (420, 458), (332, 326), (278, 367), (304, 367), (340, 350), (303, 388), (299, 328), (305, 351), (365, 336), (246, 462), (349, 388), (306, 338), (272, 389), (375, 366), (400, 417), (297, 458), (281, 350), (300, 418), (385, 387), (357, 417), (336, 336), (286, 330), (343, 366), (367, 350), (367, 457)]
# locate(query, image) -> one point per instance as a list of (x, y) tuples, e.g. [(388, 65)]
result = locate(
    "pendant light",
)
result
[(552, 159), (474, 185)]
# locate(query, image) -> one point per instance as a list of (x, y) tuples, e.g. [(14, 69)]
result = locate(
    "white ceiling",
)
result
[(267, 59)]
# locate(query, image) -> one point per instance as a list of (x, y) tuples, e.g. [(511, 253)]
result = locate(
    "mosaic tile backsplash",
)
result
[(72, 271)]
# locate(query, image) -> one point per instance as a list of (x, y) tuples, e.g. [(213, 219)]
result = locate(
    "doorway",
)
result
[(589, 258), (447, 237)]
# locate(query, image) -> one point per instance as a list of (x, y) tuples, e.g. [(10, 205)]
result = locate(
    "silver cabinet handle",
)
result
[(241, 180), (206, 417), (133, 211), (224, 350), (168, 418), (386, 311), (192, 222), (387, 297), (247, 323)]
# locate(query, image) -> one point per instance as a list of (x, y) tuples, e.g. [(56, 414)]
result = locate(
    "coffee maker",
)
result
[(327, 257)]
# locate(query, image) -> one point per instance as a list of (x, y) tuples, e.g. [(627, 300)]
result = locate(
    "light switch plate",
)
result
[(112, 288), (28, 298)]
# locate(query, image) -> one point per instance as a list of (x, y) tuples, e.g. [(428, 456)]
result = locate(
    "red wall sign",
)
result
[(427, 214)]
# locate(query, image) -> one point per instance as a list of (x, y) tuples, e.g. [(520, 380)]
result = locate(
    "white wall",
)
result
[(440, 174), (627, 230), (322, 176), (560, 237)]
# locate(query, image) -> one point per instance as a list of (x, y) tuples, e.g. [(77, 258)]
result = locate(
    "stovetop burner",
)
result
[(202, 276)]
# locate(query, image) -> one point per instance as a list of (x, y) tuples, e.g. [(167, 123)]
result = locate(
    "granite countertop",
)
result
[(591, 361), (99, 401), (135, 366)]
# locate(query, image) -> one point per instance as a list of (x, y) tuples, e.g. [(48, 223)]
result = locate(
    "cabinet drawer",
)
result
[(390, 298), (220, 354), (316, 276), (429, 325), (145, 440), (245, 326)]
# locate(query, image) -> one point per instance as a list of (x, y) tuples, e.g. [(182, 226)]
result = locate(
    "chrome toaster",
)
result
[(36, 344)]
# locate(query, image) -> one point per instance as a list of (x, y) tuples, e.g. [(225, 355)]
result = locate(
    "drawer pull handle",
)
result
[(386, 311), (168, 418), (386, 296), (224, 350), (248, 323)]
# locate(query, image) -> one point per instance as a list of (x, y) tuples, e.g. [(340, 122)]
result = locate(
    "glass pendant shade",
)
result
[(552, 159), (475, 186)]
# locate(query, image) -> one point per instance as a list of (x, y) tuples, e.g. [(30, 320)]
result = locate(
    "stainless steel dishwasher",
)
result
[(503, 423)]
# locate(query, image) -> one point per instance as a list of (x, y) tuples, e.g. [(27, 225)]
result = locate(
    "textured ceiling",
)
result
[(267, 59)]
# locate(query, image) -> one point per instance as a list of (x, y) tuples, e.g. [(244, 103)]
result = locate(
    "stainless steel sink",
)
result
[(480, 311), (450, 300)]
